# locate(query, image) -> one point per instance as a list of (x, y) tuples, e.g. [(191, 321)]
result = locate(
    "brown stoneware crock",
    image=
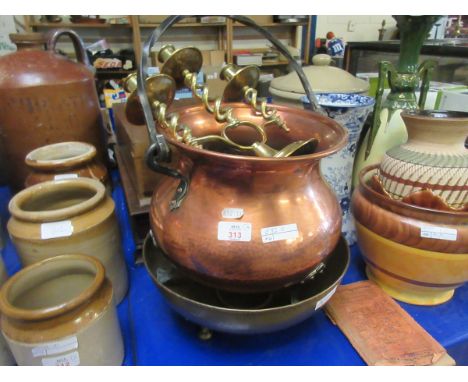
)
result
[(65, 160), (61, 312), (68, 216), (6, 358), (46, 98)]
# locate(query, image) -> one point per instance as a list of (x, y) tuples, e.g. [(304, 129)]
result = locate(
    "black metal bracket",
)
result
[(151, 159)]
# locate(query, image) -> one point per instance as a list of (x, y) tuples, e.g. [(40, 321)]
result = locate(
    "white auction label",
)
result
[(70, 359), (56, 347), (232, 213), (232, 231), (65, 176), (325, 298), (440, 233), (280, 232), (52, 230)]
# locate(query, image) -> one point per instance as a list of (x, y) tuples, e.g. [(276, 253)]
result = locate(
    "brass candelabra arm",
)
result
[(221, 114), (269, 114), (241, 85), (160, 90), (180, 132)]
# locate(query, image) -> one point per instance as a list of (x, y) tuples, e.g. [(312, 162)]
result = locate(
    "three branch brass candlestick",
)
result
[(180, 68), (183, 65)]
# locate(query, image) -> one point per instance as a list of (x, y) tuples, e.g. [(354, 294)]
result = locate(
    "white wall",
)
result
[(366, 28)]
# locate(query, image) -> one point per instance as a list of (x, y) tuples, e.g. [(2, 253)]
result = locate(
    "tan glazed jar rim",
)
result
[(22, 205), (60, 155), (43, 271)]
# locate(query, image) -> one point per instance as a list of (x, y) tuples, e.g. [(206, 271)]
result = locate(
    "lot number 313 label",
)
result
[(233, 231)]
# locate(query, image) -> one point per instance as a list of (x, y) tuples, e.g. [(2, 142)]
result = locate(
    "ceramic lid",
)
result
[(322, 77)]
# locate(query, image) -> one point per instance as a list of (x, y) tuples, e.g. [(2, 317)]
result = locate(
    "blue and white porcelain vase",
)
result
[(351, 111)]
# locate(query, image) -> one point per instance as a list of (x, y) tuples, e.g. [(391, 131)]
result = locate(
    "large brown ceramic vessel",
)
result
[(68, 216), (65, 160), (416, 254), (61, 312), (46, 98), (269, 192)]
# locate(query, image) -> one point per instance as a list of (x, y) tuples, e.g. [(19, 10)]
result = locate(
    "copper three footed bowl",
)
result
[(249, 224)]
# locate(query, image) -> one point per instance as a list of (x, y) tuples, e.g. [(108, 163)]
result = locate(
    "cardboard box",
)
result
[(214, 83), (212, 19), (152, 19), (133, 141), (261, 19), (213, 57), (453, 99), (249, 59)]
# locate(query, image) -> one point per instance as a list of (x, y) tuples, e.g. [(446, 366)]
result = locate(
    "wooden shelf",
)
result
[(298, 24), (185, 25), (274, 63), (224, 31), (77, 25)]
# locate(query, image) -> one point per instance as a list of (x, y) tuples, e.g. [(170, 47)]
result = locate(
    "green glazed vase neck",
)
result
[(413, 33)]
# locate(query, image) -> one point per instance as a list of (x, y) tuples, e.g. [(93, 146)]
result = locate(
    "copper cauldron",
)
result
[(243, 223), (259, 193)]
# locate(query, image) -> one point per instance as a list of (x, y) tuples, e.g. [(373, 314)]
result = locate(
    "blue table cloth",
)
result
[(155, 335)]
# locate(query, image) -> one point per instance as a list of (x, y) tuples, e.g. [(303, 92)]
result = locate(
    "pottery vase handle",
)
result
[(425, 71), (78, 45)]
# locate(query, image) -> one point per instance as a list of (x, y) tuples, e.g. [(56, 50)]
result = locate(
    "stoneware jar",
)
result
[(61, 312), (324, 79), (417, 255), (6, 358), (68, 216), (65, 160), (433, 158), (350, 111)]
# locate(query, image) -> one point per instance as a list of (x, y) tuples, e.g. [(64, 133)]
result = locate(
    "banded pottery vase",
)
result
[(434, 158), (61, 312), (65, 160)]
